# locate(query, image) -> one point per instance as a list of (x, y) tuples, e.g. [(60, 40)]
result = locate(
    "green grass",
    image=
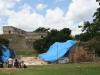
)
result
[(26, 55), (56, 69)]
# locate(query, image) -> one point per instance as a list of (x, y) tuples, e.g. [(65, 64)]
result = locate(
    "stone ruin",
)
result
[(79, 53), (21, 40), (27, 35)]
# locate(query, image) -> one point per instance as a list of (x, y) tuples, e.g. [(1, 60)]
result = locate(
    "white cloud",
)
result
[(25, 8), (26, 20), (81, 10), (0, 29), (54, 18), (8, 3), (29, 21), (5, 4), (0, 20), (41, 6), (76, 30)]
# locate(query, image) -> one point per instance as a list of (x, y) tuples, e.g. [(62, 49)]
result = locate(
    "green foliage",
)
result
[(42, 29), (1, 48), (92, 31), (83, 37), (4, 42), (24, 54), (42, 45), (38, 45), (98, 1), (94, 27), (95, 44)]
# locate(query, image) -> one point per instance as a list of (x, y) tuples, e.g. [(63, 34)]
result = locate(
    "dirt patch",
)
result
[(33, 61)]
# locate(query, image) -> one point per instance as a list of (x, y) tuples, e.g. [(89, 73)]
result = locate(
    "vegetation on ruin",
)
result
[(53, 35), (91, 32), (3, 42)]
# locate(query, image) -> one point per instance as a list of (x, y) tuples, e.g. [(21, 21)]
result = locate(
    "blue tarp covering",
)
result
[(57, 51), (6, 54)]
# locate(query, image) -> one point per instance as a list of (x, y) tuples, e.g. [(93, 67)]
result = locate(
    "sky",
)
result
[(29, 15)]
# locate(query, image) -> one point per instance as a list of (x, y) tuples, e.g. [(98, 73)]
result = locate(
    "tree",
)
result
[(98, 1), (94, 27), (95, 44), (1, 48), (83, 37), (53, 36), (42, 29), (38, 45), (3, 42), (93, 31)]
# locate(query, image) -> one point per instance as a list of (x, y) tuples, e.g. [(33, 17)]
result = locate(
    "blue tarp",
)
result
[(6, 54), (57, 50)]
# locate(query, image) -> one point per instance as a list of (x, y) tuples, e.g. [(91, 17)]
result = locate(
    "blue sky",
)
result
[(58, 14), (44, 5)]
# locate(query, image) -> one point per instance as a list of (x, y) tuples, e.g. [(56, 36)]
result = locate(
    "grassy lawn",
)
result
[(31, 54), (55, 69)]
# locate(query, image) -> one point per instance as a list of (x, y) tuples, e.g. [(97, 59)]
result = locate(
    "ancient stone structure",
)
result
[(79, 53), (27, 35), (20, 39), (23, 41), (13, 30), (35, 35)]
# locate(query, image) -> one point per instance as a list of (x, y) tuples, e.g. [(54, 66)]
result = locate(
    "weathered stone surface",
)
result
[(80, 54), (21, 40)]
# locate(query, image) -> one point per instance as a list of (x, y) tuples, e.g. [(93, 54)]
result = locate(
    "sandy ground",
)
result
[(33, 61)]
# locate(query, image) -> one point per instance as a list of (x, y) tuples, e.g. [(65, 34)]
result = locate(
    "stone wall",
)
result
[(13, 30), (20, 39), (27, 35), (35, 35), (79, 54)]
